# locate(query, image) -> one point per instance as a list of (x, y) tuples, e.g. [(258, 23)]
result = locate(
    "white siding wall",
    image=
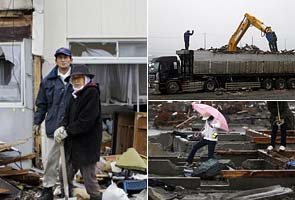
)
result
[(92, 19)]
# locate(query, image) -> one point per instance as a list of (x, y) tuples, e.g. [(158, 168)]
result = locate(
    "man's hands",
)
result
[(60, 134)]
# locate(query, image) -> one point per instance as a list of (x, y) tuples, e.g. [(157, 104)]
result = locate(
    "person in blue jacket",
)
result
[(53, 96), (186, 36)]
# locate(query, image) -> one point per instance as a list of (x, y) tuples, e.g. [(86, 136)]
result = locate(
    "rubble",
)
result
[(252, 49)]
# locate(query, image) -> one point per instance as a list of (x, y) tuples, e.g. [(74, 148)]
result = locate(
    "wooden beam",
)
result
[(265, 140), (10, 14), (32, 179), (16, 159), (236, 152), (14, 172), (4, 147), (278, 159), (140, 133), (25, 20), (257, 173), (289, 132), (37, 68)]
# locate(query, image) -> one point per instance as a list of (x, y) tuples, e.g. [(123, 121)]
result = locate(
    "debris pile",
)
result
[(252, 49), (13, 178), (122, 174)]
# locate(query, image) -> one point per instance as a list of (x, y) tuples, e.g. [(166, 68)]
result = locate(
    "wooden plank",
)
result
[(264, 140), (25, 20), (289, 132), (10, 14), (277, 158), (12, 160), (236, 152), (32, 179), (125, 131), (3, 191), (37, 68), (4, 147), (140, 133), (15, 33), (257, 173), (14, 172)]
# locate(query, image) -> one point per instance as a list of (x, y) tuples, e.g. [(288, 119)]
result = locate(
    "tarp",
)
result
[(131, 160)]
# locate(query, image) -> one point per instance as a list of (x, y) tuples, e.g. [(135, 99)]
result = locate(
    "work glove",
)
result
[(36, 129), (60, 134)]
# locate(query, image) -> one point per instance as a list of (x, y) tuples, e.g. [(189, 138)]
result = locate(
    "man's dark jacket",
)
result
[(51, 101), (83, 124)]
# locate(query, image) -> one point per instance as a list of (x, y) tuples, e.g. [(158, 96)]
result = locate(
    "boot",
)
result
[(47, 194)]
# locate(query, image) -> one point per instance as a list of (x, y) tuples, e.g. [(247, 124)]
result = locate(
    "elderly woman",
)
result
[(82, 129)]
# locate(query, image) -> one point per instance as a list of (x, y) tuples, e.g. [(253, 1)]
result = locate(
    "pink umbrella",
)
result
[(204, 109)]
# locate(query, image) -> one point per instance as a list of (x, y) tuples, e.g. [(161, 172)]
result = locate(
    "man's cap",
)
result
[(80, 70), (64, 51)]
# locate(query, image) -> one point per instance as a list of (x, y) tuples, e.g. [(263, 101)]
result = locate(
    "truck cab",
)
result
[(163, 70)]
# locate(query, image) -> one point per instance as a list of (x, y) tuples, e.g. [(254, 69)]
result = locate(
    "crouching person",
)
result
[(81, 130)]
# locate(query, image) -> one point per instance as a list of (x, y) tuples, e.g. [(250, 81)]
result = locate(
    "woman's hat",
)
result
[(79, 70), (206, 116)]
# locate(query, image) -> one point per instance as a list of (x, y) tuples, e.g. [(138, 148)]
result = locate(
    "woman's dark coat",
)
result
[(84, 126)]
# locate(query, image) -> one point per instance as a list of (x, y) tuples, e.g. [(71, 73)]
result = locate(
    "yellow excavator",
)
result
[(243, 27)]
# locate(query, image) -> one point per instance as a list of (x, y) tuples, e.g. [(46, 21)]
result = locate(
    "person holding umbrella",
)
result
[(209, 137), (214, 120)]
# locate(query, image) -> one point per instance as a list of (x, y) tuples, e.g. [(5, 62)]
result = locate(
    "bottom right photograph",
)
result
[(221, 150)]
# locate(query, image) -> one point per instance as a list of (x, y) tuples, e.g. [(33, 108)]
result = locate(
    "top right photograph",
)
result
[(221, 50)]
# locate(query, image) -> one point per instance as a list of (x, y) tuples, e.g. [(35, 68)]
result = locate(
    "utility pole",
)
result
[(204, 40), (285, 44)]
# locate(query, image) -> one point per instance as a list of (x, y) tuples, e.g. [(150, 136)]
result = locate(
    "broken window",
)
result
[(94, 49), (109, 49), (10, 73)]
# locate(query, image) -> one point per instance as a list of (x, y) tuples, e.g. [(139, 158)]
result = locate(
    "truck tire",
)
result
[(291, 83), (280, 84), (172, 87), (210, 85), (267, 84)]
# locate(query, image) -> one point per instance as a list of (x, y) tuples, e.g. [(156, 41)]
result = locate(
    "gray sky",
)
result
[(169, 19)]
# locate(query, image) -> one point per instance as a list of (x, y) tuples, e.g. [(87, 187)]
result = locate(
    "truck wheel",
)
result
[(210, 85), (291, 83), (172, 87), (280, 84), (267, 84)]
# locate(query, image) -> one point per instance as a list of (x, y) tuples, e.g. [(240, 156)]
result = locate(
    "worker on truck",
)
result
[(272, 41), (186, 36)]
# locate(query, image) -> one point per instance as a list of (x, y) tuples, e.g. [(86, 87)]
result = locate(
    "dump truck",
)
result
[(202, 70)]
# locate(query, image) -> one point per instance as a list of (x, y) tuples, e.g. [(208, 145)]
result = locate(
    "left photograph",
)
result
[(73, 99)]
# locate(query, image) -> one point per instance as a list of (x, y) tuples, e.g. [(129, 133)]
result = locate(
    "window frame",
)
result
[(21, 103), (114, 60), (109, 60)]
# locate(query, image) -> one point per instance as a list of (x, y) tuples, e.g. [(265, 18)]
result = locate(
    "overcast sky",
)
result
[(218, 20)]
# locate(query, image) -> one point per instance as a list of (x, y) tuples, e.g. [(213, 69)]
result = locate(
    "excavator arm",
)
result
[(243, 27)]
